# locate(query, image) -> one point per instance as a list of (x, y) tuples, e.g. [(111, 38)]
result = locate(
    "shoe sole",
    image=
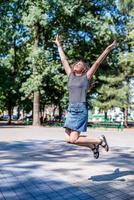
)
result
[(106, 147), (96, 157)]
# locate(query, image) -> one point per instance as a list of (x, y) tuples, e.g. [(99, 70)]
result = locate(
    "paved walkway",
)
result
[(36, 164)]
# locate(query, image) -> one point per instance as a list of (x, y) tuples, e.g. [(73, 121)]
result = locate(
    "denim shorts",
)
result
[(77, 117)]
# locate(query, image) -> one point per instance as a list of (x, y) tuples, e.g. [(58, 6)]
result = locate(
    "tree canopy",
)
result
[(31, 71)]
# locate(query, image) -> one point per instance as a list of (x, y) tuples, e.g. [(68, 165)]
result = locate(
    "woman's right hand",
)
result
[(57, 40), (113, 45)]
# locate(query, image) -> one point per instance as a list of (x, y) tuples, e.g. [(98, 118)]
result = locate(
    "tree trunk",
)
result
[(125, 112), (18, 112), (60, 111), (36, 109), (105, 115), (42, 110), (36, 102), (55, 107), (9, 113)]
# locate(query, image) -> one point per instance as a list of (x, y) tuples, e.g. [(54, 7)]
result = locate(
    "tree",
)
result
[(114, 89), (126, 56), (36, 19), (86, 29), (12, 33), (112, 93)]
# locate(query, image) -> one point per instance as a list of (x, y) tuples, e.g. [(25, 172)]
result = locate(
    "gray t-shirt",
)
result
[(78, 87)]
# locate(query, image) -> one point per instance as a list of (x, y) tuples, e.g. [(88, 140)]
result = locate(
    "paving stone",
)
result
[(38, 167)]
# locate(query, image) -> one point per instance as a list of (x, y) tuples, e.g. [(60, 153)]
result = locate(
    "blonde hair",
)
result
[(85, 66)]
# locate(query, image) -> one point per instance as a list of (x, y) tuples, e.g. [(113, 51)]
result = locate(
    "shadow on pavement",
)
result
[(32, 170), (112, 176)]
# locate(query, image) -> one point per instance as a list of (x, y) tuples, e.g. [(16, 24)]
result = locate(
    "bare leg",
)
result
[(75, 138), (67, 135), (71, 136)]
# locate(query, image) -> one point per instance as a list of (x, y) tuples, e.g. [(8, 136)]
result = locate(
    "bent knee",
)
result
[(73, 140)]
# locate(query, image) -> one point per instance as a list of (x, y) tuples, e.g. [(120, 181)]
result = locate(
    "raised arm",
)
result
[(96, 65), (62, 56)]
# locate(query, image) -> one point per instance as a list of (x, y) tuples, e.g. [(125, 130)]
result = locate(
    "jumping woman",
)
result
[(79, 77)]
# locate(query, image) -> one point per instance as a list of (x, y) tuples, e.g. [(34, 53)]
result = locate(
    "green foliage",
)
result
[(30, 62), (112, 93)]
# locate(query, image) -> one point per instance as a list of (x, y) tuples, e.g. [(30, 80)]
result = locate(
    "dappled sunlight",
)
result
[(46, 168), (51, 155)]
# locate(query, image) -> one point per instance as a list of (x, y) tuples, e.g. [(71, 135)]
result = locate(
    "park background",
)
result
[(33, 83)]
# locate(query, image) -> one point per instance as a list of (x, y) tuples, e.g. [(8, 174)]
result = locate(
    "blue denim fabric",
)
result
[(77, 117)]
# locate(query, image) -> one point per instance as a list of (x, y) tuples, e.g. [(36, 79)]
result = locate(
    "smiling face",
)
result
[(79, 67)]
